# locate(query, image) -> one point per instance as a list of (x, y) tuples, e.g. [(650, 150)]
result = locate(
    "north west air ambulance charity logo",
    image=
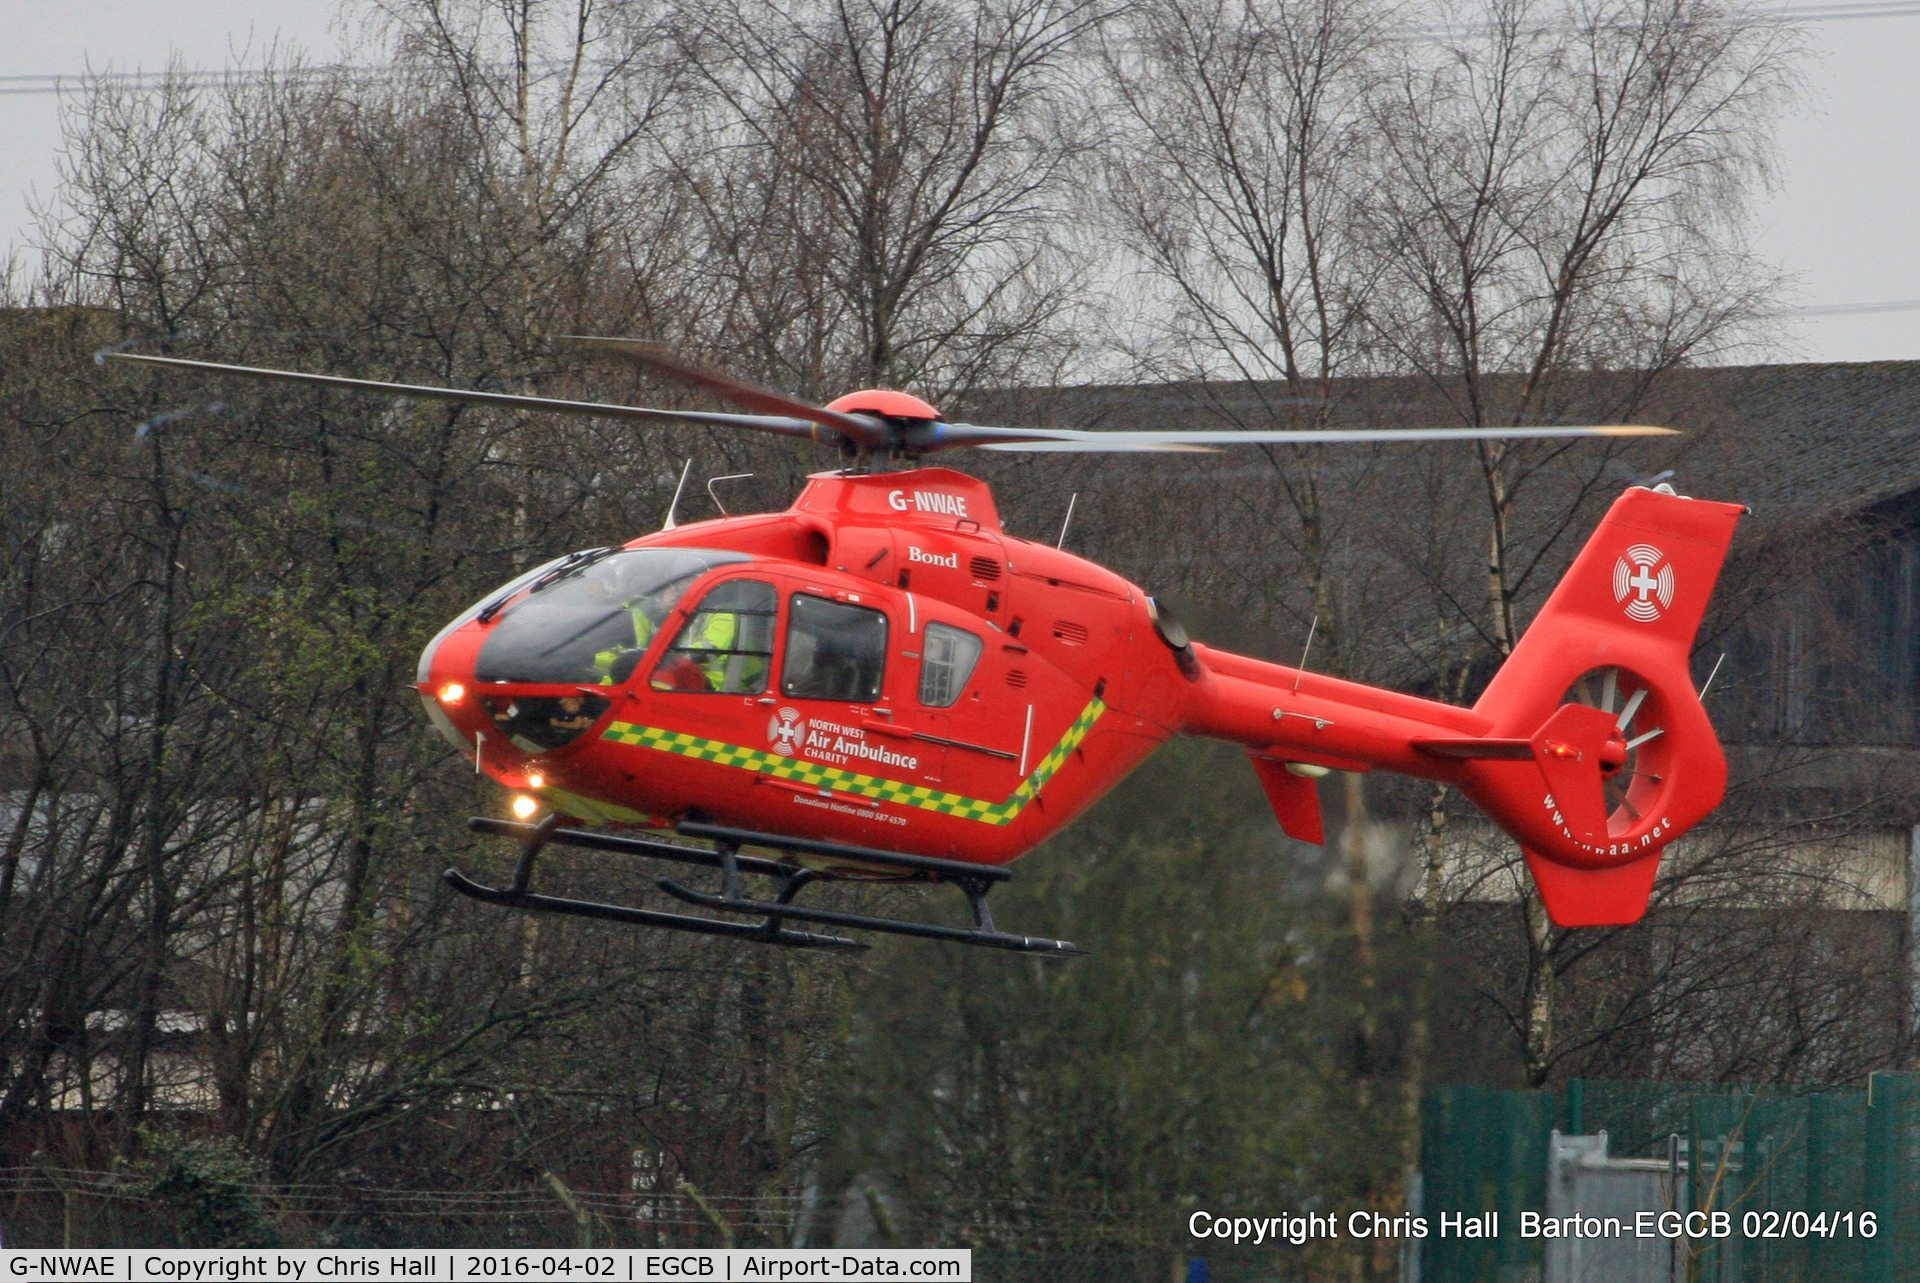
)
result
[(1643, 580), (786, 731)]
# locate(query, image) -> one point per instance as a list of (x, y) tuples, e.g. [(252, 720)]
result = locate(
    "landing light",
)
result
[(536, 781), (524, 807), (452, 693)]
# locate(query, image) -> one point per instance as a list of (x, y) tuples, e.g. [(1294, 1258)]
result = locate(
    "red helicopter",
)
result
[(882, 683)]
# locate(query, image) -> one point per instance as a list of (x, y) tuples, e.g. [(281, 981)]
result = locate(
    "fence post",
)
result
[(1880, 1177), (583, 1225), (44, 1161)]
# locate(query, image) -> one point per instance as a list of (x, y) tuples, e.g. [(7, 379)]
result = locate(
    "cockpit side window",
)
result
[(726, 646), (834, 650), (948, 655)]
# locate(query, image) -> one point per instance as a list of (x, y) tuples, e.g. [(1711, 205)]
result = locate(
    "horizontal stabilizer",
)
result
[(1595, 897), (1477, 749), (1295, 799)]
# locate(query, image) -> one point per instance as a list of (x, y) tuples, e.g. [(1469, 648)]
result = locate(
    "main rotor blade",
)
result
[(1067, 440), (662, 359), (788, 427), (922, 438)]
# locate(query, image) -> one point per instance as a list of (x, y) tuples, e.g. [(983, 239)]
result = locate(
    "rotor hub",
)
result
[(886, 403)]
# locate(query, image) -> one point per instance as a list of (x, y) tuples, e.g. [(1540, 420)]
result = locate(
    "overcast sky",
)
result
[(1843, 223)]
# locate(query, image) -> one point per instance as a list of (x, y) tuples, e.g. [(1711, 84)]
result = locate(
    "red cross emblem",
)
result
[(1643, 582), (786, 730)]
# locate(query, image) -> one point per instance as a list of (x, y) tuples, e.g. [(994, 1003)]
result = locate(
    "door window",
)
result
[(726, 647), (948, 655), (834, 651)]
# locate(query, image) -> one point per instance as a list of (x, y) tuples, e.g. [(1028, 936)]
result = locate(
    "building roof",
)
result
[(1802, 441)]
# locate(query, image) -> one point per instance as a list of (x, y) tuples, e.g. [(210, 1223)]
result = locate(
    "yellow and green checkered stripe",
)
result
[(856, 784)]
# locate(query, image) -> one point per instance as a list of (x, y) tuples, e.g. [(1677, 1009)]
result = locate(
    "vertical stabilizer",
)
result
[(1623, 759)]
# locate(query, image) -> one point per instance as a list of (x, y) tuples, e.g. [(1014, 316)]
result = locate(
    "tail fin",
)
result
[(1623, 757)]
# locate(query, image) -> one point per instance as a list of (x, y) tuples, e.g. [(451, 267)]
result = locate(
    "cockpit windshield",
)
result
[(590, 622)]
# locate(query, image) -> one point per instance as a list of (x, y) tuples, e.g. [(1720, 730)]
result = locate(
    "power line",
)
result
[(13, 86), (1792, 13), (1843, 12), (19, 86), (1853, 309)]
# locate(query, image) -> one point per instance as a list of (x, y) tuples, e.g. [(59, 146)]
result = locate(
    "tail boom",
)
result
[(1288, 714), (1530, 753)]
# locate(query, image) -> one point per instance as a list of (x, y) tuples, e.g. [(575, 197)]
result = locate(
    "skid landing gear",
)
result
[(974, 881)]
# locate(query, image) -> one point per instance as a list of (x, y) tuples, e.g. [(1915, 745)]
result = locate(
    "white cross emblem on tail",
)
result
[(1644, 581)]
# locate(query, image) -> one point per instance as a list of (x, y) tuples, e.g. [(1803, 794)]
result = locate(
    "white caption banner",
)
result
[(476, 1265)]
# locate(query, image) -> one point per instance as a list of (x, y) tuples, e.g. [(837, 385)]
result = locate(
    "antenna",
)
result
[(674, 507), (1708, 684), (1301, 671), (736, 476), (1061, 542)]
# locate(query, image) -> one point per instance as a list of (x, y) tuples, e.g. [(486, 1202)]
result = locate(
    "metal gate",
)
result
[(1785, 1186)]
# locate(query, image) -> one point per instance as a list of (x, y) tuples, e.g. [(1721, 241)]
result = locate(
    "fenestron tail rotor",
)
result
[(892, 425), (1625, 695)]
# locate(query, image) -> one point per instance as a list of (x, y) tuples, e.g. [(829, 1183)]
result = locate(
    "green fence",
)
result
[(1797, 1174)]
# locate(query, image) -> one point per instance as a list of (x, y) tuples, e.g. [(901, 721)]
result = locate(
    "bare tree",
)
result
[(566, 106), (236, 816), (884, 185), (1563, 192), (1234, 183)]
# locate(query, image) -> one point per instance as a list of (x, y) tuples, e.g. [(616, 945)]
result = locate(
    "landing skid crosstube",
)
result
[(974, 881)]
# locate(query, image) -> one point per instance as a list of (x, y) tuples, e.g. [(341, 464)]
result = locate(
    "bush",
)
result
[(212, 1185)]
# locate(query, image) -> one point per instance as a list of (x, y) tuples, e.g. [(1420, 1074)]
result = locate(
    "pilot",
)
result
[(718, 632), (704, 657), (616, 663)]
